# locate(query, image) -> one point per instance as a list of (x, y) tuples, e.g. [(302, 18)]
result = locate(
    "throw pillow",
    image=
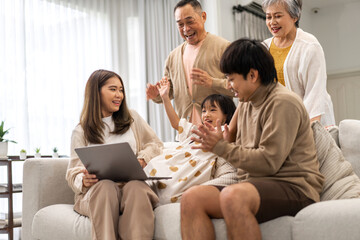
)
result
[(340, 180), (334, 132)]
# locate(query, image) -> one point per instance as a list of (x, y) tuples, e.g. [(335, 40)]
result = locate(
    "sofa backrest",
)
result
[(349, 141), (44, 184)]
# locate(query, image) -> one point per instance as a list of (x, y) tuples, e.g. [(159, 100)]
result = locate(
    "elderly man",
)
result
[(274, 149), (193, 67)]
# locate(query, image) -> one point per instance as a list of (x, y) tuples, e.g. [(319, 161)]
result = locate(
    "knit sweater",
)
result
[(148, 145), (275, 141), (208, 59)]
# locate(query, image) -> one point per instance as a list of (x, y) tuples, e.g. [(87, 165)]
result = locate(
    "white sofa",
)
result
[(48, 205)]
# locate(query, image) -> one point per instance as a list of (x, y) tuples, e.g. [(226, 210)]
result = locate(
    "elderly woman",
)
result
[(299, 58)]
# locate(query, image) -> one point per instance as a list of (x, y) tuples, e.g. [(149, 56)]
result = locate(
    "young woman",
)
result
[(116, 210), (186, 166)]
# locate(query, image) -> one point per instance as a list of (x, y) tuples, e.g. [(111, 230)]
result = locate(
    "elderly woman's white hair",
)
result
[(292, 6)]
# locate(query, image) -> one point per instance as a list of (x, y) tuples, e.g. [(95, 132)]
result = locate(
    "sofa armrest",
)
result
[(44, 184)]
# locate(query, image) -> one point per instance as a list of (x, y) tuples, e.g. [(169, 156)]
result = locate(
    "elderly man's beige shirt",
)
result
[(208, 59)]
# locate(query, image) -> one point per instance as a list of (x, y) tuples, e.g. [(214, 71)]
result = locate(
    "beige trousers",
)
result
[(125, 213)]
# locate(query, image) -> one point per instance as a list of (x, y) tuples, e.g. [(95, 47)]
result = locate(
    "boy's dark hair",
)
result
[(225, 103), (194, 3), (244, 54)]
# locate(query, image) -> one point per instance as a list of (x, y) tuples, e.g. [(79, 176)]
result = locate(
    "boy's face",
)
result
[(243, 87)]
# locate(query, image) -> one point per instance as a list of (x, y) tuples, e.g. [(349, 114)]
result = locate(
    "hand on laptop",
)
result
[(142, 162), (89, 179)]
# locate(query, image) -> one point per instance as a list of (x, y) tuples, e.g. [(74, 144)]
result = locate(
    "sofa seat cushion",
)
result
[(60, 222), (167, 225), (330, 220)]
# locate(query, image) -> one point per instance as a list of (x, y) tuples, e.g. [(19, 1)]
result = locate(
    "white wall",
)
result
[(337, 28)]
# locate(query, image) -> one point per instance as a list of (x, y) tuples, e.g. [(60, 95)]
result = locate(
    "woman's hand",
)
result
[(89, 179), (142, 162), (152, 91)]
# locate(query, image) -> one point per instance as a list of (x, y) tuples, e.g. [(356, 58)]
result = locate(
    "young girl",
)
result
[(115, 210), (186, 166)]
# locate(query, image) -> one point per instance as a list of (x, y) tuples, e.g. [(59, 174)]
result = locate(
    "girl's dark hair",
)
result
[(243, 54), (91, 119), (225, 103)]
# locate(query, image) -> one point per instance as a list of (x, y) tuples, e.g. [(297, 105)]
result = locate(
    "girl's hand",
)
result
[(89, 179), (164, 87), (152, 91)]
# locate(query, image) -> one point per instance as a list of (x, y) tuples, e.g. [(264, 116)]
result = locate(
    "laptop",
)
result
[(116, 162)]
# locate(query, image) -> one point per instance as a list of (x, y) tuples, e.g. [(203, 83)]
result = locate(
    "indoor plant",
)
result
[(37, 153), (55, 153), (22, 154), (4, 142)]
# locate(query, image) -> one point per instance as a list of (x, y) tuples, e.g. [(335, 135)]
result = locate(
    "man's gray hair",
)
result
[(293, 7), (194, 3)]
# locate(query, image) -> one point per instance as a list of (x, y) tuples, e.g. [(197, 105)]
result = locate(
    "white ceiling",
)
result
[(324, 3)]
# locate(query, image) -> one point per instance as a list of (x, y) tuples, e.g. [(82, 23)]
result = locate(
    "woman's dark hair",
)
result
[(225, 103), (243, 54), (91, 118)]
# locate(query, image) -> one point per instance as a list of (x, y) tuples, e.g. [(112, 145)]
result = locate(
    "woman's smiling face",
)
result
[(112, 95), (279, 21)]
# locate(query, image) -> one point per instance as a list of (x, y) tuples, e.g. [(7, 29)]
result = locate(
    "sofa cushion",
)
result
[(167, 225), (330, 220), (349, 140), (60, 222), (340, 180)]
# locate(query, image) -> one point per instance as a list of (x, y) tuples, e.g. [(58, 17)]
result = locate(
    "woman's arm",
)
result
[(164, 88), (76, 171), (148, 144)]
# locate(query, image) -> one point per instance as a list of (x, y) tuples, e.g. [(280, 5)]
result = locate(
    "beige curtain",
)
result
[(160, 36), (251, 26)]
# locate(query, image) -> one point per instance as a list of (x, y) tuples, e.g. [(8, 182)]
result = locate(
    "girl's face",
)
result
[(111, 94), (210, 113)]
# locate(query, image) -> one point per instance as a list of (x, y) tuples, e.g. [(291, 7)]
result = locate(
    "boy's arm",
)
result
[(164, 88)]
